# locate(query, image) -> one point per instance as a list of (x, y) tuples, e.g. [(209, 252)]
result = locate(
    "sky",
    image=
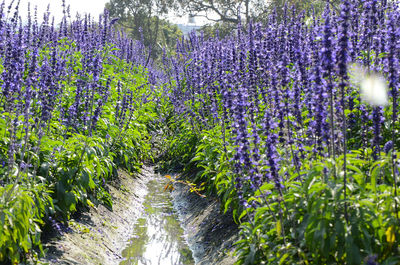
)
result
[(94, 7)]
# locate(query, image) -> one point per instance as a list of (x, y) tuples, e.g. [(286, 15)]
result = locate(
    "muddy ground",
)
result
[(209, 233), (99, 235)]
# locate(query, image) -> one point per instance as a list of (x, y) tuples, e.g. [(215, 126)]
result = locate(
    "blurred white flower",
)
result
[(374, 90), (373, 87)]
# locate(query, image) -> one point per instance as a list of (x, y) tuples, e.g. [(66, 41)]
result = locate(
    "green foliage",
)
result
[(21, 215), (143, 20), (214, 169), (69, 165), (180, 144), (308, 226)]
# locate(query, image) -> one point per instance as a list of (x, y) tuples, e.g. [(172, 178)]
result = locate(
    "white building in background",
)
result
[(189, 26), (186, 29)]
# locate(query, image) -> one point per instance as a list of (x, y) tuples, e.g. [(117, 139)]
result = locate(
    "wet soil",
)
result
[(99, 235), (144, 224), (210, 234), (158, 236)]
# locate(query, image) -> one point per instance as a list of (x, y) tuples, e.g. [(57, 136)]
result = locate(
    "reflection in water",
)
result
[(158, 237)]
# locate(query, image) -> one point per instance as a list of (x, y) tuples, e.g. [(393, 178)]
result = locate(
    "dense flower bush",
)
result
[(307, 163), (75, 105)]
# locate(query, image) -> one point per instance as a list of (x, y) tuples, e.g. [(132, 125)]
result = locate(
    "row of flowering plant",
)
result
[(297, 126), (75, 106)]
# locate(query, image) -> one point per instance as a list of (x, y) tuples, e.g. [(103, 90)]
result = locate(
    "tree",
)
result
[(316, 6), (231, 11), (225, 11), (142, 19), (226, 14), (157, 32)]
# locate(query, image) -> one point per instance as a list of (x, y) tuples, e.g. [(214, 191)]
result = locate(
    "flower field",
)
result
[(75, 106), (289, 124), (293, 125)]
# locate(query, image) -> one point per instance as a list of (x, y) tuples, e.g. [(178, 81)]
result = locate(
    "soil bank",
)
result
[(209, 233), (100, 235)]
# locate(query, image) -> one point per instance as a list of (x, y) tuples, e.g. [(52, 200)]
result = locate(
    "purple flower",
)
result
[(388, 146)]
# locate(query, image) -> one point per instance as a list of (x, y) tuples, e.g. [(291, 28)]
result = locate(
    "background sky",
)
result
[(94, 7)]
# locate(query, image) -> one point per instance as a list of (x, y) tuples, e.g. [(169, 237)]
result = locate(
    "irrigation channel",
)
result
[(158, 237), (147, 226)]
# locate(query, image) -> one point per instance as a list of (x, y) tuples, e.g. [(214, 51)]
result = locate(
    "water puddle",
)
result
[(158, 236)]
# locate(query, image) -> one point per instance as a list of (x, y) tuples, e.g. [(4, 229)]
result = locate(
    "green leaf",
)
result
[(264, 187), (283, 258), (391, 261), (226, 206), (243, 214)]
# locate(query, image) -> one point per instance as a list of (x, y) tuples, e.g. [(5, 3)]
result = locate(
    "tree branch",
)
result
[(201, 6)]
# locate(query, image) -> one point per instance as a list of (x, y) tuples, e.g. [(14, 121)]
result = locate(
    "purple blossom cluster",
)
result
[(52, 76), (69, 93), (286, 85)]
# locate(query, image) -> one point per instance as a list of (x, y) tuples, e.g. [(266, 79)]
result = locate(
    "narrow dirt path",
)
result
[(99, 235), (145, 227)]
